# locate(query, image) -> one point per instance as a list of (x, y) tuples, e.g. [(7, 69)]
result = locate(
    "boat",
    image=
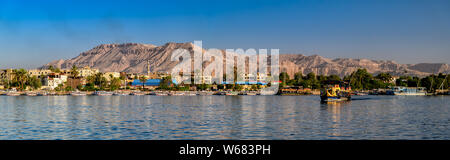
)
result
[(13, 93), (190, 93), (232, 93), (176, 94), (161, 94), (77, 93), (251, 93), (356, 93), (31, 93), (205, 93), (220, 93), (137, 93), (407, 91), (103, 93), (42, 94), (121, 93), (335, 91)]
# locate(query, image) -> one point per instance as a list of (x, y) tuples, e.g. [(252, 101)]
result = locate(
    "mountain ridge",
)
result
[(132, 57)]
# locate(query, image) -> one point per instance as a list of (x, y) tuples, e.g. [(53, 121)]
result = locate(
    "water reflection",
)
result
[(223, 117)]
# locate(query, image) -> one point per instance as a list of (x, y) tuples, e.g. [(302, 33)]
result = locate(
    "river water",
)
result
[(223, 117)]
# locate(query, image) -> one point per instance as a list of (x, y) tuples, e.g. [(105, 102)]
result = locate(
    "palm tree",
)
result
[(21, 76), (74, 73), (143, 80)]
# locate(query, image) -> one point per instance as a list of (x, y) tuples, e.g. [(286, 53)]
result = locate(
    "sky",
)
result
[(33, 33)]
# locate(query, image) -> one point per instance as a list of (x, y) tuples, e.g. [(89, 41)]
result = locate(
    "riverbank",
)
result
[(165, 93)]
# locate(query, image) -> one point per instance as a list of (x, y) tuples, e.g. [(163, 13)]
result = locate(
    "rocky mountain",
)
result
[(132, 57)]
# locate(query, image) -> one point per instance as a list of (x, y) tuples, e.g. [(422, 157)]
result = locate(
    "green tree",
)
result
[(254, 87), (69, 88), (334, 78), (21, 77), (34, 82), (143, 79), (220, 86), (284, 78), (427, 82), (165, 82), (402, 81), (298, 78), (360, 79), (237, 87), (115, 84), (413, 82), (385, 77), (74, 71)]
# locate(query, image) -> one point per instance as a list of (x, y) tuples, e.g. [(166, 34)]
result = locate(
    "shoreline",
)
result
[(165, 93)]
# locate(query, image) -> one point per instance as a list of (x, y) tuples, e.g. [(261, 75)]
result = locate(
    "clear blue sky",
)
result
[(33, 33)]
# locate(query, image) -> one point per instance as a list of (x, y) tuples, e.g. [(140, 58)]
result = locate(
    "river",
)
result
[(223, 117)]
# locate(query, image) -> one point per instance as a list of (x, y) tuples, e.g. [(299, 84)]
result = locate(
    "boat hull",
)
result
[(410, 94)]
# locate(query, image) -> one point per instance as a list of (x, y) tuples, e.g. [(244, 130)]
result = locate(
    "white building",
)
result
[(53, 80)]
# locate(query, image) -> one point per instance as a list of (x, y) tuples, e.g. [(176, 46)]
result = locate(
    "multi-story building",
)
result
[(52, 80), (6, 74), (82, 72), (39, 72), (87, 71), (109, 75)]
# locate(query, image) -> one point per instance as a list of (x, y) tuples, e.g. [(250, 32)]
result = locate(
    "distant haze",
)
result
[(33, 33)]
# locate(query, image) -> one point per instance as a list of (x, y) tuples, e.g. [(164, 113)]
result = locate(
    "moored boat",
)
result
[(137, 93), (121, 93), (232, 93), (103, 93), (161, 94), (13, 93), (31, 94), (204, 93), (77, 93), (407, 91), (176, 94), (42, 94), (251, 93)]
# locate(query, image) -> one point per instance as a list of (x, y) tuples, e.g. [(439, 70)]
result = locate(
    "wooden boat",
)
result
[(205, 93), (103, 93), (31, 94), (176, 94), (121, 93), (232, 93), (42, 94), (335, 91), (137, 93), (162, 94), (13, 93), (78, 93)]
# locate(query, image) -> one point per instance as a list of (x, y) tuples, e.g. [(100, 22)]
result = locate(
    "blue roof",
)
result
[(149, 82), (247, 83)]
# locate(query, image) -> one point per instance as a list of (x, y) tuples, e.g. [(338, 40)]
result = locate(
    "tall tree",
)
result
[(74, 71), (21, 77), (360, 79), (143, 79), (385, 77)]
